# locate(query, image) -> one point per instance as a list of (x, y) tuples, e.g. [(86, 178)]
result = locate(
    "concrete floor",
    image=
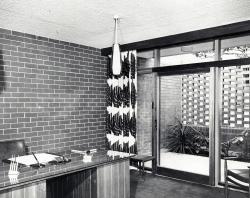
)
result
[(196, 164)]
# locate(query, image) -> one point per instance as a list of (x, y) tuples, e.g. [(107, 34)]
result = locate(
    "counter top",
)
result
[(29, 174)]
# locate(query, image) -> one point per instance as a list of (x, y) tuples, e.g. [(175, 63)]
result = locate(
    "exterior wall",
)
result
[(170, 104), (52, 93), (170, 107)]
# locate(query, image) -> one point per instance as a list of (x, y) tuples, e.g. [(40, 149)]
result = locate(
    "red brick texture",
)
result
[(52, 93)]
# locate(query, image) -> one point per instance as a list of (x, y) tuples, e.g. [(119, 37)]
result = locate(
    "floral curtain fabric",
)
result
[(121, 105)]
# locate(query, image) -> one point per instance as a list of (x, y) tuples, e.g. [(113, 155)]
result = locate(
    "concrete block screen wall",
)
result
[(186, 97), (52, 93)]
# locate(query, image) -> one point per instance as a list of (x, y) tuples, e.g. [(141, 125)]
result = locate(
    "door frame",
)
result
[(193, 177), (215, 112)]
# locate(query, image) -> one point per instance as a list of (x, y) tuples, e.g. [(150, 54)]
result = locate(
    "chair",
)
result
[(239, 177), (12, 147)]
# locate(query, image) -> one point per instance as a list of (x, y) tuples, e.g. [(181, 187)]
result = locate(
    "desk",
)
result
[(104, 177), (140, 160)]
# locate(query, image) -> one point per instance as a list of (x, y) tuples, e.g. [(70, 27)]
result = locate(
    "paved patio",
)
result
[(193, 163)]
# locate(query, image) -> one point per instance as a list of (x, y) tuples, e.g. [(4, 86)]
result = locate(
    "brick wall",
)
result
[(52, 93), (170, 108), (170, 104)]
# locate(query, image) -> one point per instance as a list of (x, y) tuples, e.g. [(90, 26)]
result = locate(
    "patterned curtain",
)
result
[(121, 105)]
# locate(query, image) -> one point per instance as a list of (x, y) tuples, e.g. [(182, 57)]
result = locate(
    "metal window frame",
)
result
[(215, 104)]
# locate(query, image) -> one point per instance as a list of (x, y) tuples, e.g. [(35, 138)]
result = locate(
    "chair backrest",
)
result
[(238, 177), (12, 147)]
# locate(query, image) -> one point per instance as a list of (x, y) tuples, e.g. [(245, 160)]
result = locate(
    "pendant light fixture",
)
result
[(116, 55)]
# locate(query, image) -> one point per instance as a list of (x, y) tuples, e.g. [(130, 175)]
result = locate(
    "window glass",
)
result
[(235, 48), (144, 124), (184, 123), (145, 59), (195, 53), (235, 120)]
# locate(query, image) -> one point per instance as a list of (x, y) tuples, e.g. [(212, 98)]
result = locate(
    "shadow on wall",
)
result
[(2, 78)]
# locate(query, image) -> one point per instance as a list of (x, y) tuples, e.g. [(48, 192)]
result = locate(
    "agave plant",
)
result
[(185, 139)]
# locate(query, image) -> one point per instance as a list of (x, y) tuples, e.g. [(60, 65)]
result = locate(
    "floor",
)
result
[(163, 187)]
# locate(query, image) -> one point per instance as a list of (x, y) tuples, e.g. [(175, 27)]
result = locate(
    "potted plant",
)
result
[(186, 139)]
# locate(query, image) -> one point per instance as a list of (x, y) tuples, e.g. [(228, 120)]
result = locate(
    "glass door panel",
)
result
[(235, 120), (145, 87), (235, 48), (193, 53), (184, 123), (144, 114)]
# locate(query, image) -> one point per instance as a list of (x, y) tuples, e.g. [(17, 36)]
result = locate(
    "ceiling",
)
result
[(90, 22)]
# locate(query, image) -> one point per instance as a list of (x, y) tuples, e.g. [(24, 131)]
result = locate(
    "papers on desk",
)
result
[(28, 160)]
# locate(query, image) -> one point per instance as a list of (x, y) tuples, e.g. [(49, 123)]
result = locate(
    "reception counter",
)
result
[(106, 175)]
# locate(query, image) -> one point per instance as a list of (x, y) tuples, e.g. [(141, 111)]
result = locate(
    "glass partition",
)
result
[(145, 59), (235, 120), (184, 123), (235, 48), (195, 53)]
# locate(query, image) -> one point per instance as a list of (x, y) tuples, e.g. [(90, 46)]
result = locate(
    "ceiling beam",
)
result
[(193, 36), (199, 67)]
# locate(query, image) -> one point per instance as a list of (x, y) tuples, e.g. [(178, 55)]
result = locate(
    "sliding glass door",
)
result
[(235, 104), (198, 110), (235, 119), (184, 125)]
